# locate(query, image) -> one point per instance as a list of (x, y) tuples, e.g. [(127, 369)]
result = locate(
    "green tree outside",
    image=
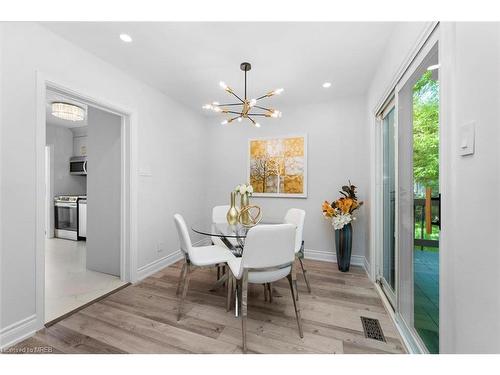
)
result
[(426, 134)]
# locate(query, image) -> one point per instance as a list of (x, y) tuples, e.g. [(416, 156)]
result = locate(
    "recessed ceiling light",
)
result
[(126, 38), (326, 85), (433, 67)]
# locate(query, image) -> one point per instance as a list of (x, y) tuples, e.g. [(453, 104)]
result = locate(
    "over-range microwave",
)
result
[(78, 165)]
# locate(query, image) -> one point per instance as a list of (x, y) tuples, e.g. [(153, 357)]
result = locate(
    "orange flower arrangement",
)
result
[(327, 209), (340, 211)]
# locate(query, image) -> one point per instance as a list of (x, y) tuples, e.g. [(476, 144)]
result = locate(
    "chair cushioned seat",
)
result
[(260, 277), (209, 255)]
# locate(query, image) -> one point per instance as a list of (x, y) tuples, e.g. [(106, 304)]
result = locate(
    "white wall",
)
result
[(470, 257), (170, 140), (63, 183), (338, 150), (104, 188)]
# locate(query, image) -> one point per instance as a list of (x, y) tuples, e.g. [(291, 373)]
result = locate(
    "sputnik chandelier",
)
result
[(249, 108)]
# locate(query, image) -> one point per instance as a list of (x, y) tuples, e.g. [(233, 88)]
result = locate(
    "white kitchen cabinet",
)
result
[(80, 146), (82, 218)]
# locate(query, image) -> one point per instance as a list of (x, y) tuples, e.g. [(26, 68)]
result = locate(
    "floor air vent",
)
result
[(372, 329)]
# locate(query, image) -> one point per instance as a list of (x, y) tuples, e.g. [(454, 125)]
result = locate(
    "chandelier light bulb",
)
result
[(276, 114), (278, 91), (252, 102), (240, 119), (215, 103), (217, 109), (326, 85), (224, 122), (257, 125), (223, 85), (207, 106)]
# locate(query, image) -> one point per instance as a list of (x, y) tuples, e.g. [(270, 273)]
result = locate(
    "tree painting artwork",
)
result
[(277, 166)]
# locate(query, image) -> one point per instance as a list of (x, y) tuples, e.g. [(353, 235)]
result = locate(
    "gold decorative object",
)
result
[(244, 217), (249, 108), (233, 214), (250, 216)]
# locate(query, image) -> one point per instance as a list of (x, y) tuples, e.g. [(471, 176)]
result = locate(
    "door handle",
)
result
[(428, 210)]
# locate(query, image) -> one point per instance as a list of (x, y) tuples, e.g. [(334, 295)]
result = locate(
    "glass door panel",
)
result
[(388, 273), (426, 205), (418, 202)]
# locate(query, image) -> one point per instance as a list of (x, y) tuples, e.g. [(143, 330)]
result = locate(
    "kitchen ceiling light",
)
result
[(433, 67), (247, 105), (68, 111), (326, 85), (125, 38)]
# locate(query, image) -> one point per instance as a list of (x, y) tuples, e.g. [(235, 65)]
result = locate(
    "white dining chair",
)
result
[(297, 217), (268, 256), (202, 256), (219, 217), (219, 214)]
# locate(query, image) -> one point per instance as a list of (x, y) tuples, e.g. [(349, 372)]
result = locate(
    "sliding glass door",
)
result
[(409, 196)]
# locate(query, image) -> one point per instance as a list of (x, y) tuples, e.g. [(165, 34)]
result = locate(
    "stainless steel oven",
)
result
[(66, 217), (78, 165)]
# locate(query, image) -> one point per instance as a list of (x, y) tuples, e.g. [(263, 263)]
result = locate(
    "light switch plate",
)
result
[(466, 139), (145, 171)]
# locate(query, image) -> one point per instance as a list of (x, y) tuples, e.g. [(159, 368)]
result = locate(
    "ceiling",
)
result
[(53, 120), (187, 60)]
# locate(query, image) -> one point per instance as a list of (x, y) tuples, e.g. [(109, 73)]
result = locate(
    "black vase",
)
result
[(343, 244)]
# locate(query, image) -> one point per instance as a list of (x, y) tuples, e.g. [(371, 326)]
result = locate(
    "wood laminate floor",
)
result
[(141, 318)]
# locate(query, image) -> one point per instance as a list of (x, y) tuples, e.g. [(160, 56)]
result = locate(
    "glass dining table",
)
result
[(232, 235)]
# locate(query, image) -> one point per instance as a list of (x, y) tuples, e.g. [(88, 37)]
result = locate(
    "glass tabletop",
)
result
[(226, 230)]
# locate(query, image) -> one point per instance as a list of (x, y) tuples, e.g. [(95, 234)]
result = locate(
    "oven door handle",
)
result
[(70, 205), (85, 166)]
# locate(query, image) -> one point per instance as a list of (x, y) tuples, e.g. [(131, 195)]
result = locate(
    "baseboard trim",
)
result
[(157, 265), (368, 268), (18, 331), (330, 256)]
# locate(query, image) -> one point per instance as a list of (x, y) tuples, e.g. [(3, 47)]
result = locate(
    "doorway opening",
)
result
[(85, 187)]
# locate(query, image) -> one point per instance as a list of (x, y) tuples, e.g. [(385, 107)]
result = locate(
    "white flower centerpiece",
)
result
[(245, 191), (340, 219)]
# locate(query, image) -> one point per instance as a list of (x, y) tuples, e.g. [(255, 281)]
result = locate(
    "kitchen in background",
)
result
[(69, 281), (70, 189)]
